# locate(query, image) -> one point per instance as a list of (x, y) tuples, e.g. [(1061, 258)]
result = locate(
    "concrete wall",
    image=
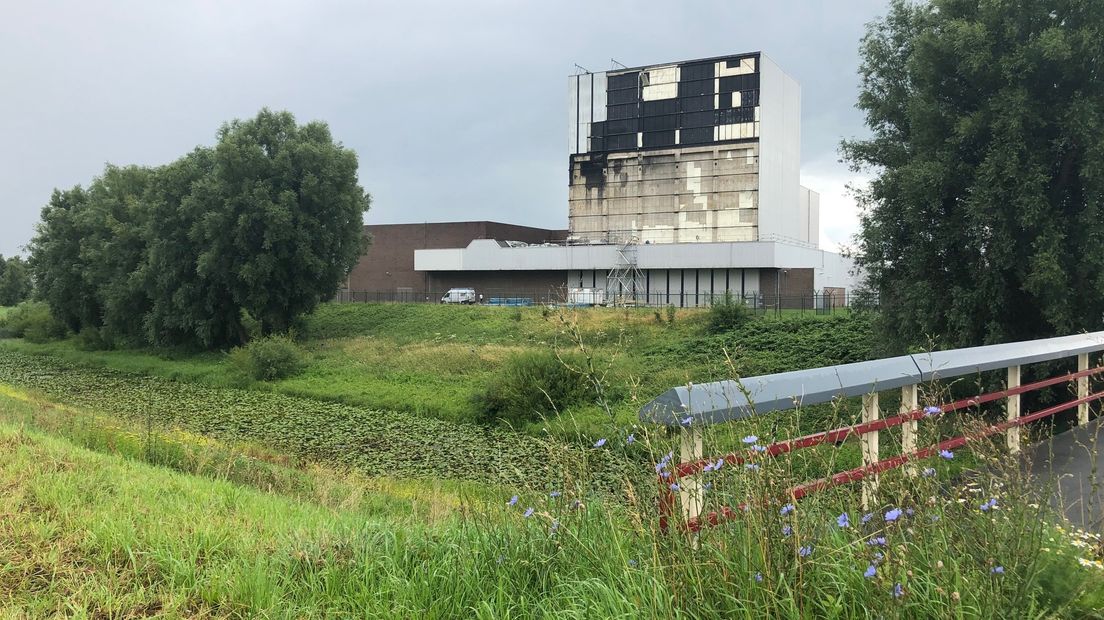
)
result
[(547, 286), (809, 216), (692, 194), (679, 287), (388, 264), (779, 153)]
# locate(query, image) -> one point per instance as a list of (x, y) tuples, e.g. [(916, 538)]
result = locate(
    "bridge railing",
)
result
[(691, 408)]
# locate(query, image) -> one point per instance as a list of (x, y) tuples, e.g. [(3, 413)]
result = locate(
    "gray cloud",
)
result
[(457, 110)]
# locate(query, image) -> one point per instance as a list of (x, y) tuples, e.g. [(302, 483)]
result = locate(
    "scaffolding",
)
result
[(624, 282)]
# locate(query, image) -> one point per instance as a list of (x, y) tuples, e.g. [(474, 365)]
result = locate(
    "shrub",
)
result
[(92, 339), (727, 314), (33, 322), (671, 314), (532, 385), (269, 358)]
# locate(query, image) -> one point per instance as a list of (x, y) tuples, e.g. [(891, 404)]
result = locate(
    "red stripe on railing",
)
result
[(859, 473), (840, 434)]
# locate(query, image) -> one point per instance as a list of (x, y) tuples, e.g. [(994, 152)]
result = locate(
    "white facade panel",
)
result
[(779, 152)]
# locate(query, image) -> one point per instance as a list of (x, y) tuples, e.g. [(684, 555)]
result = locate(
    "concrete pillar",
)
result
[(870, 413)]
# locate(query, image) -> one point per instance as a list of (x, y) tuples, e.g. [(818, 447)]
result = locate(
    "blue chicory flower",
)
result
[(750, 439), (898, 591), (632, 563), (878, 557), (805, 551), (719, 464), (909, 512), (554, 494), (601, 442), (997, 570), (843, 520), (867, 517), (555, 526), (513, 500), (787, 509), (877, 541), (992, 503), (928, 472), (870, 572), (688, 420), (787, 530), (708, 468), (751, 467), (528, 513), (892, 515), (707, 486), (947, 454), (631, 438), (759, 448), (675, 486), (930, 410), (758, 577)]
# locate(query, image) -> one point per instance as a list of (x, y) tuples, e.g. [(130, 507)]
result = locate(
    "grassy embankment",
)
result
[(436, 360), (90, 528)]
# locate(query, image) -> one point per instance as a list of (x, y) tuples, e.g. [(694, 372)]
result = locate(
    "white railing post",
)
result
[(690, 487), (870, 413), (1012, 435), (1083, 389), (910, 402)]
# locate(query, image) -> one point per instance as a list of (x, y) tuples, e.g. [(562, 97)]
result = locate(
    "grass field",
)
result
[(100, 521), (435, 361)]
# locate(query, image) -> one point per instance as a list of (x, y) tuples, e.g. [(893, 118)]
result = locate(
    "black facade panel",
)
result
[(696, 87), (629, 95), (735, 115), (697, 71), (660, 123), (749, 98), (659, 138), (724, 101), (597, 145), (621, 142), (625, 80), (739, 82), (732, 64), (696, 135), (696, 119), (618, 112), (628, 125), (662, 106), (598, 129), (696, 104)]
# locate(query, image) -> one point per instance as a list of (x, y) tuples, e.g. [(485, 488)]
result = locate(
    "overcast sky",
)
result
[(456, 109)]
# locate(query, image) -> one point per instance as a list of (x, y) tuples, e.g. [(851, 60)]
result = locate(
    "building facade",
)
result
[(683, 186)]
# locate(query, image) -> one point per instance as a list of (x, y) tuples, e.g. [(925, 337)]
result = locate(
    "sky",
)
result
[(457, 110)]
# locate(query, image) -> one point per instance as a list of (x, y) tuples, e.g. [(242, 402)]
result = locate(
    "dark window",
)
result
[(735, 115), (732, 64), (659, 138), (739, 82), (663, 106), (696, 135), (724, 101), (621, 142), (659, 123), (696, 119), (624, 80), (698, 71), (598, 129), (597, 145), (629, 95), (749, 98), (696, 104), (628, 125), (696, 87), (618, 112)]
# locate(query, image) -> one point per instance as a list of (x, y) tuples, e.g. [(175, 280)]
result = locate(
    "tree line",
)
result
[(15, 280), (260, 228)]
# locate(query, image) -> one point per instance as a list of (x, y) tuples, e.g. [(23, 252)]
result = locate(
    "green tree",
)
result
[(15, 281), (985, 218)]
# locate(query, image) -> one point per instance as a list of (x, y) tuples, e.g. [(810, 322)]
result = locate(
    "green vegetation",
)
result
[(532, 386), (15, 281), (96, 529), (268, 358), (32, 321), (727, 314), (441, 361), (259, 228), (984, 219)]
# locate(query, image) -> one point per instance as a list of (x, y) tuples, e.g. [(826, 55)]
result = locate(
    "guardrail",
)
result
[(691, 408)]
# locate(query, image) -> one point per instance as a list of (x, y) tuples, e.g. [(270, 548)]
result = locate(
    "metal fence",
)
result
[(690, 408), (759, 303)]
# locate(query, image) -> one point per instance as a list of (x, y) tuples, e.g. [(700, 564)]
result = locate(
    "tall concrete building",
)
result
[(683, 186), (697, 151)]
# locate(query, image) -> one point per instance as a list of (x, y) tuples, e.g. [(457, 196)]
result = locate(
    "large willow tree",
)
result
[(984, 222)]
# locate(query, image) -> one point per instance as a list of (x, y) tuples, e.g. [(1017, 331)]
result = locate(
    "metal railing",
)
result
[(691, 408)]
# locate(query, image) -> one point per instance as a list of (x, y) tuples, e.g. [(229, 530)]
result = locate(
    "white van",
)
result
[(459, 296)]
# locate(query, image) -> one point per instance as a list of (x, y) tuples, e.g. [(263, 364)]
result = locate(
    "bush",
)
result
[(532, 385), (727, 314), (33, 322), (92, 339), (268, 359)]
